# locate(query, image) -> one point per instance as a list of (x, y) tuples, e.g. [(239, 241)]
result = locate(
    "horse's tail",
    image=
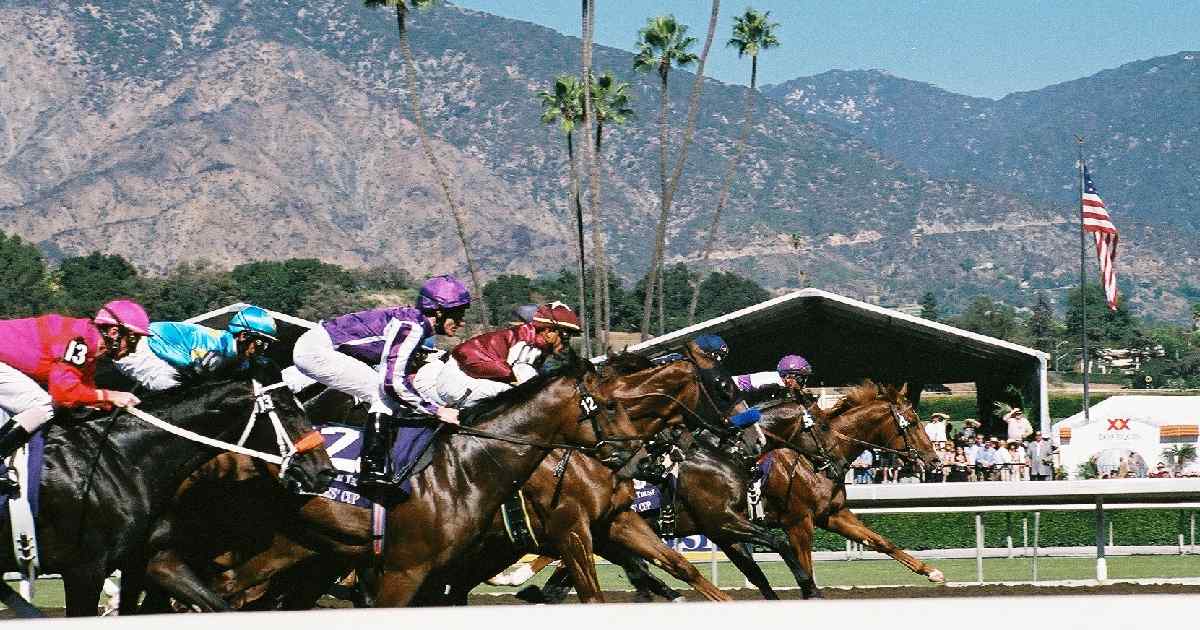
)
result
[(19, 605)]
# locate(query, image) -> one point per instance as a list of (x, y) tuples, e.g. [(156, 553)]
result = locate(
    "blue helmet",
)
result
[(255, 321), (713, 345)]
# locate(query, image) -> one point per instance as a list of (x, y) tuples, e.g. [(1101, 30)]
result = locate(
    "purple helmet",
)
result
[(443, 292), (793, 364)]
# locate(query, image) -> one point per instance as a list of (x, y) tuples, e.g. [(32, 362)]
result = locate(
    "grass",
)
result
[(865, 573)]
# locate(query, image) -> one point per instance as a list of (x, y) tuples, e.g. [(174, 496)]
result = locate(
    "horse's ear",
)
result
[(904, 390), (698, 356)]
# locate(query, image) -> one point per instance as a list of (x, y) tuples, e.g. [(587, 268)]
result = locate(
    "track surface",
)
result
[(914, 592)]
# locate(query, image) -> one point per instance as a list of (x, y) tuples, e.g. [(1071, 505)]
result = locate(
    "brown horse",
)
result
[(796, 495), (799, 499), (340, 534)]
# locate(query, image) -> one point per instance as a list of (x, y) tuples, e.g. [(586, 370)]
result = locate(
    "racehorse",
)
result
[(340, 534), (105, 477), (797, 496)]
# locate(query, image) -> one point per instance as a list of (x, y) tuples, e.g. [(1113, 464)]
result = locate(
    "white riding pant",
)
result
[(453, 384), (296, 380), (425, 381), (23, 400), (145, 367), (317, 358)]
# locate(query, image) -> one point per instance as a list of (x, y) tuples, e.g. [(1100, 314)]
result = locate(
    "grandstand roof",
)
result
[(847, 340)]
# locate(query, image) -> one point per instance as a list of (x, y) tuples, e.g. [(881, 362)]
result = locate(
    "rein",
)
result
[(909, 454), (263, 405)]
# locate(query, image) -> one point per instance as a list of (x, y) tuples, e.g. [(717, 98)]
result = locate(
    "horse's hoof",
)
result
[(937, 577)]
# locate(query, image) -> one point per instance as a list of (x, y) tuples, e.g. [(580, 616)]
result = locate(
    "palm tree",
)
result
[(414, 102), (1179, 456), (752, 33), (587, 16), (564, 106), (610, 105), (661, 44)]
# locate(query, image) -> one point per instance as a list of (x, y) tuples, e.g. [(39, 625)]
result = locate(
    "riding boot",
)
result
[(12, 437), (375, 463)]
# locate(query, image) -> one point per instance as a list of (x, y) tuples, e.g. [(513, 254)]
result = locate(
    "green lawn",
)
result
[(870, 572)]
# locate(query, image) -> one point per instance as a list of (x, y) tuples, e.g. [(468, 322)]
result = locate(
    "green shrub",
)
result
[(1058, 529)]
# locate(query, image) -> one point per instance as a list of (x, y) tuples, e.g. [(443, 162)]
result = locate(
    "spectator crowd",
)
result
[(968, 455)]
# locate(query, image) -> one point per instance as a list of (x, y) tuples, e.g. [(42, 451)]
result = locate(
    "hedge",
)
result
[(1058, 529), (962, 407)]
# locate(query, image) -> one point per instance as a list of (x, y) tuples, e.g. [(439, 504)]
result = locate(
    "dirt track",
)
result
[(987, 590), (916, 592)]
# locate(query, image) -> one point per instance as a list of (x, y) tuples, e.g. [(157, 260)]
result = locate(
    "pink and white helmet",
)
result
[(124, 313)]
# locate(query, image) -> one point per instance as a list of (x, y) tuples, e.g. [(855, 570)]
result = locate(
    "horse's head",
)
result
[(883, 417), (695, 392), (279, 423), (910, 431)]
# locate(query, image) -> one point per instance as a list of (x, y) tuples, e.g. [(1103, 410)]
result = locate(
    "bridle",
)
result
[(264, 405), (908, 453)]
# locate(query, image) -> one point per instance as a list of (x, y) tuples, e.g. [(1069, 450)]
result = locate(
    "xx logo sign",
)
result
[(1118, 424)]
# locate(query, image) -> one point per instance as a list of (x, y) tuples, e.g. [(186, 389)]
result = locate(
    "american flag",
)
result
[(1097, 221)]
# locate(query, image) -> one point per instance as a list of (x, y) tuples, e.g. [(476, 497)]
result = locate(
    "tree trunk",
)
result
[(604, 318), (726, 184), (660, 231), (578, 206), (460, 221), (660, 234), (662, 299), (591, 156)]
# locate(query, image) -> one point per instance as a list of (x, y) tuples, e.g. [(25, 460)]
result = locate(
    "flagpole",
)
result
[(1083, 285)]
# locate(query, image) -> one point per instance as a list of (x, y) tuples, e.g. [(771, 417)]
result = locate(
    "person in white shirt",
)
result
[(936, 427), (1003, 459), (1018, 425)]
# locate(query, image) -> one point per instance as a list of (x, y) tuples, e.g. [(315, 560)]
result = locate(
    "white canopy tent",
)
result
[(1122, 426)]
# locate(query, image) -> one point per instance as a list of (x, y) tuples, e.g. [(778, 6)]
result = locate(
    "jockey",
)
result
[(177, 348), (369, 354), (493, 362), (50, 361), (792, 373)]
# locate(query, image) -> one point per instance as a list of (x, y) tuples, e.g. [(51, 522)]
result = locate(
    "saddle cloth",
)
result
[(21, 513), (344, 445), (647, 497)]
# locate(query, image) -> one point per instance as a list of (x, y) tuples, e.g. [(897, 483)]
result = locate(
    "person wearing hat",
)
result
[(1041, 458), (493, 362), (936, 427), (1018, 425), (177, 350), (1160, 472)]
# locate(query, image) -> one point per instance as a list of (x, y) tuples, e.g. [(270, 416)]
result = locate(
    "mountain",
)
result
[(1142, 136), (231, 131)]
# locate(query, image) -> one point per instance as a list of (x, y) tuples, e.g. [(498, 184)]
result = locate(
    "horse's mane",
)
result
[(625, 363), (573, 367), (859, 395)]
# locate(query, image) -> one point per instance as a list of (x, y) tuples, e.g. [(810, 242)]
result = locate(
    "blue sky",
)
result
[(975, 47)]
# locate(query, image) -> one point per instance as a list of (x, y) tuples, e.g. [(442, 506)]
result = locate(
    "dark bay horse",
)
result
[(107, 477), (340, 534)]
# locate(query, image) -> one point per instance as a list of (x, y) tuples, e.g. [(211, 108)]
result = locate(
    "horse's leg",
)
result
[(745, 563), (283, 553), (398, 587), (169, 571), (133, 584), (844, 522), (83, 588), (800, 535), (575, 549), (637, 571), (634, 533)]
